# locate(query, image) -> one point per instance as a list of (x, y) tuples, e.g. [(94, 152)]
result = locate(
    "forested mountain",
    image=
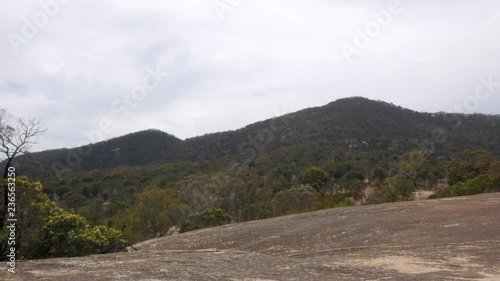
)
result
[(352, 127), (140, 148), (349, 152)]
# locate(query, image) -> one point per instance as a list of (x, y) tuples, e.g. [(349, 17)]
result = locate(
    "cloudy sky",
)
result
[(100, 69)]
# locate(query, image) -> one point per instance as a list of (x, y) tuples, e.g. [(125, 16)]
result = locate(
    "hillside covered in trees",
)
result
[(351, 151), (347, 128)]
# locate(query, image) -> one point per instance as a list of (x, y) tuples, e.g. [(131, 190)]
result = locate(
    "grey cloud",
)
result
[(265, 57)]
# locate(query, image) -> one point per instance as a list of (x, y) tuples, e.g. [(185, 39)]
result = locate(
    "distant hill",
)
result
[(140, 148), (347, 128)]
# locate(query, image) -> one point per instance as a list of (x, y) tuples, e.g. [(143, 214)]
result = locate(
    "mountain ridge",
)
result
[(339, 127)]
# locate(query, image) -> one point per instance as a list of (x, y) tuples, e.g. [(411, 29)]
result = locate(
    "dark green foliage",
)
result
[(295, 200), (257, 212), (397, 188), (471, 163), (153, 213), (481, 184), (494, 170), (356, 191), (495, 185), (379, 174), (315, 177), (207, 218), (45, 230)]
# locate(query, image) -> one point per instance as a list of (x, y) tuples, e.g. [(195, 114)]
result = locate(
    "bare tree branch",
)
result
[(17, 135)]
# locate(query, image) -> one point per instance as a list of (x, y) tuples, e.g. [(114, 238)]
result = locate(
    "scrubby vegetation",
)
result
[(208, 218), (102, 211), (315, 159), (45, 230)]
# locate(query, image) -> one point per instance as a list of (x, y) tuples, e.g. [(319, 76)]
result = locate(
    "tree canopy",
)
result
[(45, 230)]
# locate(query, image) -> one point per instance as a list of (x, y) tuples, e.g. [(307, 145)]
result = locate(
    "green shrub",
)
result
[(480, 184), (208, 218), (315, 177), (257, 212), (45, 230)]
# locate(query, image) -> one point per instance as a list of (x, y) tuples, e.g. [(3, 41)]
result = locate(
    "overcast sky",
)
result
[(192, 67)]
